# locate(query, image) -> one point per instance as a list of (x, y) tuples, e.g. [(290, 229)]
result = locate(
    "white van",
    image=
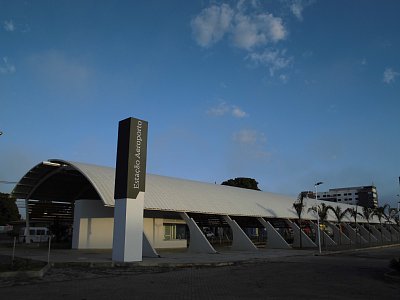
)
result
[(36, 234)]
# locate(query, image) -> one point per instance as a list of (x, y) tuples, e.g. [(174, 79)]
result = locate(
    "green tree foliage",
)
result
[(243, 182), (339, 214), (322, 211), (8, 209), (299, 207)]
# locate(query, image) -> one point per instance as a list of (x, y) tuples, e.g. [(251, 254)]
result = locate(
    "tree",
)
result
[(8, 209), (243, 182), (380, 212), (367, 214), (299, 207), (353, 212), (322, 211), (339, 214), (389, 217)]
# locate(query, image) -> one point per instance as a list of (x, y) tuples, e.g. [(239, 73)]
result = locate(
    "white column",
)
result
[(275, 239), (305, 239), (198, 241), (339, 237), (128, 229), (240, 240), (326, 239)]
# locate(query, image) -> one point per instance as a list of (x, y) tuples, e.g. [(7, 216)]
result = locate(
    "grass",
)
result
[(19, 264)]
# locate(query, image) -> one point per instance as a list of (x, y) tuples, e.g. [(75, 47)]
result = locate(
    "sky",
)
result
[(289, 92)]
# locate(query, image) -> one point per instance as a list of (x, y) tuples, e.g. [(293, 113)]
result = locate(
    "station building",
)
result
[(181, 213)]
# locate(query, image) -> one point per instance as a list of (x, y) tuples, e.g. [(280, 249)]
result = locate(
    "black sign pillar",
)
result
[(130, 183)]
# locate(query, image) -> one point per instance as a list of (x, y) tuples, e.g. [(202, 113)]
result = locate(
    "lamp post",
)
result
[(316, 198)]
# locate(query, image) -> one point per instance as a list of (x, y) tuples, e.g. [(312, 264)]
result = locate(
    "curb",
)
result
[(26, 274), (356, 250)]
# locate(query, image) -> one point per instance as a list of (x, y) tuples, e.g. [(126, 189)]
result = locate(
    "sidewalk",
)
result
[(170, 258)]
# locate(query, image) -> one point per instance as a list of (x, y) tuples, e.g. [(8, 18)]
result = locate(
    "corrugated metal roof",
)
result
[(172, 194)]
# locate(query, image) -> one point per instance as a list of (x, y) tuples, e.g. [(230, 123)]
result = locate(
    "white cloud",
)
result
[(284, 78), (238, 113), (389, 75), (211, 24), (6, 67), (364, 62), (248, 29), (9, 25), (219, 110), (252, 31), (249, 137), (274, 60), (297, 9), (224, 108)]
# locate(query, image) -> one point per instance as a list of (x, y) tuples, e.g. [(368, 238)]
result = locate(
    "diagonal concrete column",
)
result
[(325, 238), (366, 234), (355, 237), (148, 250), (305, 239), (275, 239), (378, 234), (339, 237), (395, 232), (385, 232), (240, 240), (198, 241)]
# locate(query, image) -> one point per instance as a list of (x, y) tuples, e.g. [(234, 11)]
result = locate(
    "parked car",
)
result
[(36, 234)]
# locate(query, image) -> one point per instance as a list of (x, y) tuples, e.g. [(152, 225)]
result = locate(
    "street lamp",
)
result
[(316, 198)]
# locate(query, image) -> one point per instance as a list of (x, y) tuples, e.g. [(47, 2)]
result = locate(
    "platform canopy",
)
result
[(52, 186)]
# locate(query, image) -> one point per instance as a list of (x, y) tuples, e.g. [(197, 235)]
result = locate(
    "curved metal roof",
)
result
[(65, 180)]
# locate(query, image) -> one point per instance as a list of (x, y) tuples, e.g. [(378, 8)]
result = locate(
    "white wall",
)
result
[(94, 225)]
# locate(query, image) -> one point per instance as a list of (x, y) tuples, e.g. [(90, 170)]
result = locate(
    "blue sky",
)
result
[(286, 92)]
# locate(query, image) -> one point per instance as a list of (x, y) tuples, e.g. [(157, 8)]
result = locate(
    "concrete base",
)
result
[(128, 229)]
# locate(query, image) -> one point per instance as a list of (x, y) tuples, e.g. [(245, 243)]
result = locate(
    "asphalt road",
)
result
[(359, 275)]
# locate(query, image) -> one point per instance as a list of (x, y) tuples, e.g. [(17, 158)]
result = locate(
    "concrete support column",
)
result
[(339, 237), (128, 229), (325, 238), (355, 237), (378, 234), (367, 235), (395, 232), (240, 240), (305, 239), (148, 250), (198, 241), (385, 232), (275, 239)]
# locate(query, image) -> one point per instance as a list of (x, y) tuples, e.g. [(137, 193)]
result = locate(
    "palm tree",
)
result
[(339, 214), (380, 212), (299, 207), (367, 214), (322, 211), (389, 216), (353, 212)]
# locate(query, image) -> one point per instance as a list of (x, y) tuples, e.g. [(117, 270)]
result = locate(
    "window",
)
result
[(174, 232), (169, 232)]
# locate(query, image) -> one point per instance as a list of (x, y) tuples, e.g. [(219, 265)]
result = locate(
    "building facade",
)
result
[(361, 195)]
